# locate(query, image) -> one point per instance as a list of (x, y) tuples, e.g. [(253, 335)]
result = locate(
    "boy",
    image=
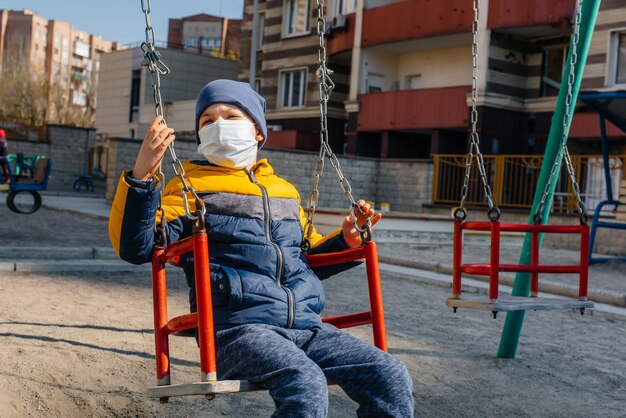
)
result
[(266, 299)]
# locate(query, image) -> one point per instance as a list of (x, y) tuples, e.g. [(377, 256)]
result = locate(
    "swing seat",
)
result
[(517, 303), (210, 389), (185, 325)]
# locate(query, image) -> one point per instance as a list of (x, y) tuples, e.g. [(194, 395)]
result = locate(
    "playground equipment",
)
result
[(85, 182), (528, 269), (197, 243), (610, 106), (23, 196)]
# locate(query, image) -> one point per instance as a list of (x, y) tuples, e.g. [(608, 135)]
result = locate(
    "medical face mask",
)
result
[(229, 143)]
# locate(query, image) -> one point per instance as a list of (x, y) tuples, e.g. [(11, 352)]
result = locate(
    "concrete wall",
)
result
[(380, 69), (67, 147), (404, 184), (438, 68)]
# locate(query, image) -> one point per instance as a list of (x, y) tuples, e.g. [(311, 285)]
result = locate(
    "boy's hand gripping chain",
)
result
[(152, 59)]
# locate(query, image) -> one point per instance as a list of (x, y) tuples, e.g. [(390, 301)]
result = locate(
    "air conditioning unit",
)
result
[(340, 22), (328, 28)]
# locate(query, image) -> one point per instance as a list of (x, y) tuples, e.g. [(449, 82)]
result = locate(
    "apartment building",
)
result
[(204, 33), (403, 73), (286, 61), (125, 94), (69, 58)]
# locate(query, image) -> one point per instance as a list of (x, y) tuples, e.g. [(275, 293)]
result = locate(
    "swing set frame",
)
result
[(202, 319), (526, 280)]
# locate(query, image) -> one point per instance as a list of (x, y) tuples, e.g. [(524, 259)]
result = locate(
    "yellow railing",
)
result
[(513, 180)]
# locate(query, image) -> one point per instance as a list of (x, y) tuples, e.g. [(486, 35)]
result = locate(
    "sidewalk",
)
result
[(91, 206), (416, 242)]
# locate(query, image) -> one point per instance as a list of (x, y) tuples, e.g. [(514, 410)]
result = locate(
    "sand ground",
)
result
[(81, 344)]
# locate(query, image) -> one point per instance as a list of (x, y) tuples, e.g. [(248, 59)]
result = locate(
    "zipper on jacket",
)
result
[(268, 232)]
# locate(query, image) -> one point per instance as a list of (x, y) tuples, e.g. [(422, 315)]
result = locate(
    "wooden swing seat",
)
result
[(515, 303), (217, 387)]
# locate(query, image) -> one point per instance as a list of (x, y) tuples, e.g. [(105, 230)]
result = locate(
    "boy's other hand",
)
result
[(350, 234), (155, 143)]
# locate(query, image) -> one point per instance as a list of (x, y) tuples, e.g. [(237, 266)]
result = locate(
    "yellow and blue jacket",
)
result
[(255, 226)]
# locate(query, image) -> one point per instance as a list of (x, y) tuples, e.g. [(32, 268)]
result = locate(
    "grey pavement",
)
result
[(420, 243), (94, 206)]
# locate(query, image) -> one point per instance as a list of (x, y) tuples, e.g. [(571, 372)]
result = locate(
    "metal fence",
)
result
[(513, 179)]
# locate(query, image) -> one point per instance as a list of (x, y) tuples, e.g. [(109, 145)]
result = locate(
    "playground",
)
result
[(84, 334), (80, 343)]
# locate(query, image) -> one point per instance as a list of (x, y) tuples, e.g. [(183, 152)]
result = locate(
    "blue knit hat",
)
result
[(234, 93)]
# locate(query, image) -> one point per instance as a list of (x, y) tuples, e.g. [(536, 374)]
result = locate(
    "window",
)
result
[(260, 32), (414, 82), (134, 96), (553, 64), (293, 87), (343, 7), (296, 17), (617, 58)]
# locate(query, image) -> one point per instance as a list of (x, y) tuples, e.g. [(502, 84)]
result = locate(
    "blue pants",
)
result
[(295, 365)]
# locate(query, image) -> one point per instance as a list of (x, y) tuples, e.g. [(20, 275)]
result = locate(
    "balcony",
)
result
[(283, 139), (435, 108), (342, 39), (415, 19), (506, 14), (293, 139), (586, 125)]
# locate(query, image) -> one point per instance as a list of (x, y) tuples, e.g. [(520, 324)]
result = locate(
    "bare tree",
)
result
[(22, 92), (28, 98)]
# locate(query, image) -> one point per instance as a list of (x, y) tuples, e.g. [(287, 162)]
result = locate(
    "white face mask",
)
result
[(229, 143)]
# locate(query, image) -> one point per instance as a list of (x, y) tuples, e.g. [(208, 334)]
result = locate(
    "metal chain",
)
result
[(474, 147), (326, 85), (563, 151), (152, 59)]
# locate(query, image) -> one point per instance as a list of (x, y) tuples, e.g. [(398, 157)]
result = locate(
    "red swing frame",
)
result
[(493, 268), (203, 318)]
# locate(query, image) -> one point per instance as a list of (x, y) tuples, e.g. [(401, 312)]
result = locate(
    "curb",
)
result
[(52, 206), (610, 298), (57, 253), (68, 266)]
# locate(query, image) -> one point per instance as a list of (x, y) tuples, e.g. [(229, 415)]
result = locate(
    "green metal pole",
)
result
[(521, 286)]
